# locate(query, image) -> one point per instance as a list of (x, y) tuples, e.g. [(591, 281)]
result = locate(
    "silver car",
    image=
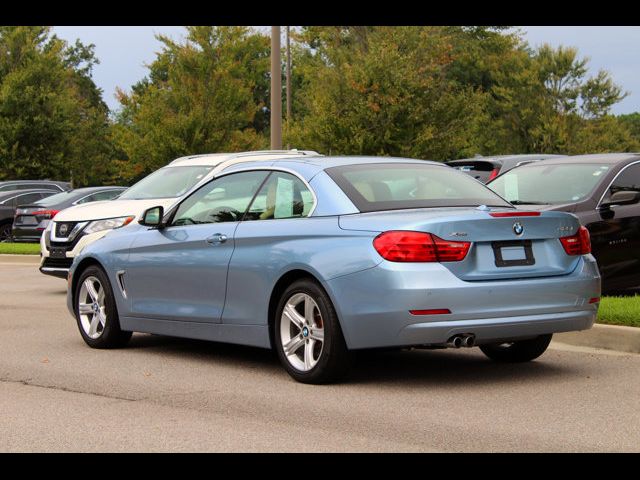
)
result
[(316, 257)]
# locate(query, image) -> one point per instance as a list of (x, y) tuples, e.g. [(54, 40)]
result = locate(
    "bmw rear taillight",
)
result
[(46, 213), (405, 246), (578, 244)]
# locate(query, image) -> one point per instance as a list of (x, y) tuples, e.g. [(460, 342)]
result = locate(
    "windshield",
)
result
[(168, 182), (391, 186), (549, 184)]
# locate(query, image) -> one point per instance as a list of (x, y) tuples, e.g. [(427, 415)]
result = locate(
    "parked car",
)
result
[(316, 257), (32, 219), (486, 169), (9, 200), (603, 191), (78, 226), (34, 184)]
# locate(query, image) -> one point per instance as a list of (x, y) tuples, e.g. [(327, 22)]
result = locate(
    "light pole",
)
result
[(276, 90)]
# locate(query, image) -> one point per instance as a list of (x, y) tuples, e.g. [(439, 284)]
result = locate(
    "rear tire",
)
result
[(308, 337), (98, 321), (517, 352)]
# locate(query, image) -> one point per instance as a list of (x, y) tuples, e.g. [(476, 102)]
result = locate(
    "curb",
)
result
[(609, 337), (20, 259)]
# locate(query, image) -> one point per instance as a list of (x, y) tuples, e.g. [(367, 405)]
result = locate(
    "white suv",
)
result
[(74, 228)]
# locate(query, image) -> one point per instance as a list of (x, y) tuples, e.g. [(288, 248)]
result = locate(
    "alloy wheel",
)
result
[(91, 307), (302, 332)]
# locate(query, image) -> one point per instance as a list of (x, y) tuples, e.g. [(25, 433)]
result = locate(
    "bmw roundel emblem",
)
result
[(518, 228)]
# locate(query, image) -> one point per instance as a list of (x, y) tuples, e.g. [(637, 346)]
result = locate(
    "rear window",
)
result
[(57, 198), (392, 186)]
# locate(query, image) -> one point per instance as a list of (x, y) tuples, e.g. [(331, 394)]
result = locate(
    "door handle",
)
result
[(216, 238)]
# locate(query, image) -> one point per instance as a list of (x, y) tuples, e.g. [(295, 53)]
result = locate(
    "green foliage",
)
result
[(205, 95), (7, 248), (52, 118), (439, 92), (447, 92), (632, 123), (620, 311), (383, 91)]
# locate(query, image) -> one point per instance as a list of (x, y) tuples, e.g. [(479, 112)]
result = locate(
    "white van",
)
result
[(74, 228)]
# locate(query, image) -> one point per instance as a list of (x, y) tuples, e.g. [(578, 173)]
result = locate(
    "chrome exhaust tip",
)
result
[(469, 341)]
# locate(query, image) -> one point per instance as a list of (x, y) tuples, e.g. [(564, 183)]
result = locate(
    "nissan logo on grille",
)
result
[(64, 229)]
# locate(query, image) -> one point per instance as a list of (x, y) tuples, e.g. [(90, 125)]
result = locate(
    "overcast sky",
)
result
[(124, 51)]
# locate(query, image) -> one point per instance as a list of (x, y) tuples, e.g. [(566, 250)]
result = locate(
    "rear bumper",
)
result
[(373, 305), (29, 234), (498, 329)]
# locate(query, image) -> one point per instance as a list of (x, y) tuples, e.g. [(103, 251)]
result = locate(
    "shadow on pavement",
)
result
[(448, 368), (419, 368)]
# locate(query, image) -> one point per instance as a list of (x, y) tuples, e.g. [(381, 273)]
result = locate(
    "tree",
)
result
[(382, 91), (52, 117), (632, 122), (205, 95)]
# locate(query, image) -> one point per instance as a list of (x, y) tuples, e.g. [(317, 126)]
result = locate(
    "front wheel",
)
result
[(308, 337), (515, 352), (96, 311)]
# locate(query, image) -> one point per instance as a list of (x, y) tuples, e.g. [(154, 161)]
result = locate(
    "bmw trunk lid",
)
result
[(502, 247)]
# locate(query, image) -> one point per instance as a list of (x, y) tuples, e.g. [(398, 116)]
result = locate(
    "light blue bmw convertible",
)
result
[(319, 256)]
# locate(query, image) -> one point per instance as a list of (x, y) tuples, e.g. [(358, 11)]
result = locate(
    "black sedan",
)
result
[(32, 218), (9, 200), (603, 191), (486, 169)]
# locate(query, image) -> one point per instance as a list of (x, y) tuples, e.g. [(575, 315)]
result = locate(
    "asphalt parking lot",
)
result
[(167, 394)]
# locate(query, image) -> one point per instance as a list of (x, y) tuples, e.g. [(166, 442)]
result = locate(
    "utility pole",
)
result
[(288, 82), (276, 90)]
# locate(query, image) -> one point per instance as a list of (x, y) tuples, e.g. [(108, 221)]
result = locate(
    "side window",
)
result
[(282, 196), (222, 200), (6, 188), (627, 181)]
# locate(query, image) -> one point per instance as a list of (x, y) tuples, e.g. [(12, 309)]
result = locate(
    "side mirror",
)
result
[(622, 198), (152, 217)]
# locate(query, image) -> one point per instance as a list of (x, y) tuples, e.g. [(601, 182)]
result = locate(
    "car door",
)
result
[(179, 272), (615, 234), (276, 217)]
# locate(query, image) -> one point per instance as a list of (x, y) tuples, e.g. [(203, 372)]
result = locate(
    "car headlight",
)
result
[(107, 224)]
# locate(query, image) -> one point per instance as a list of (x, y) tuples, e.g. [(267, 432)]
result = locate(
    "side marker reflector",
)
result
[(436, 311)]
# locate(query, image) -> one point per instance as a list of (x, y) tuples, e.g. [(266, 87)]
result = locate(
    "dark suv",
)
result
[(603, 191)]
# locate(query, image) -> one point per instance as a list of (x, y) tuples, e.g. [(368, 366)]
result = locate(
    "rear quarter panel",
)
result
[(268, 249)]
